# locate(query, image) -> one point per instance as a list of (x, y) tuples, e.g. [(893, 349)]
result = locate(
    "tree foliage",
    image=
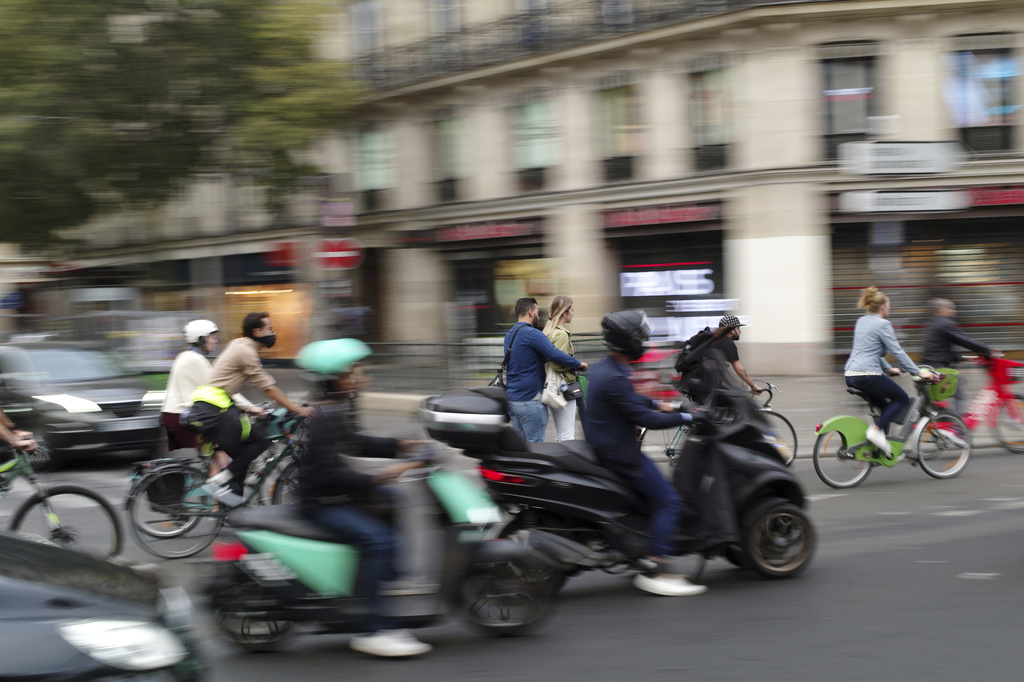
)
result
[(110, 103)]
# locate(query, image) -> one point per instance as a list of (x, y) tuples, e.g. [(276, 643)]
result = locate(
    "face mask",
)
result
[(268, 341)]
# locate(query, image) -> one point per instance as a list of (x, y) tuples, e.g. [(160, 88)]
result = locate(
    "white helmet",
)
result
[(196, 331)]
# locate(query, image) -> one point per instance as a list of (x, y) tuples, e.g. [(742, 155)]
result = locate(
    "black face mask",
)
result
[(267, 340)]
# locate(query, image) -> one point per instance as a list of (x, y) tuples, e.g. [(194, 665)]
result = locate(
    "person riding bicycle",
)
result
[(614, 409), (866, 368), (216, 416), (331, 492), (943, 334)]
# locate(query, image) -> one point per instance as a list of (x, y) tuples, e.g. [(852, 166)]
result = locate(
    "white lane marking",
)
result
[(895, 513), (959, 512), (1011, 505), (825, 496), (922, 561), (979, 576), (906, 548), (1002, 499)]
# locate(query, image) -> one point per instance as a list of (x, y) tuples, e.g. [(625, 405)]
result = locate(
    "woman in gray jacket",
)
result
[(866, 369)]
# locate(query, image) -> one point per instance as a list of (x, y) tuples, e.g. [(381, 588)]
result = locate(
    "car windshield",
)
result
[(58, 365)]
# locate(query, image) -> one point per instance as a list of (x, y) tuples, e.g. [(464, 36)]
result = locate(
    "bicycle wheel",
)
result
[(943, 445), (784, 431), (86, 521), (171, 516), (665, 442), (283, 489), (835, 464), (1010, 424)]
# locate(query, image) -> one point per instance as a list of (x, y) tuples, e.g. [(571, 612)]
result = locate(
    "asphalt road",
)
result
[(914, 578)]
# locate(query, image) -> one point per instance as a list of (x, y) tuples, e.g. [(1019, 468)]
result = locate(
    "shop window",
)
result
[(534, 143), (446, 150), (617, 15), (622, 132), (849, 95), (367, 26), (980, 91), (533, 22), (445, 16), (376, 167), (711, 118)]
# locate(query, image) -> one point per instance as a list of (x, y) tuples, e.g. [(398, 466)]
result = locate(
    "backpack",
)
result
[(693, 350)]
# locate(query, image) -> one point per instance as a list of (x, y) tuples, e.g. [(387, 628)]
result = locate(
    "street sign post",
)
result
[(880, 157), (338, 254)]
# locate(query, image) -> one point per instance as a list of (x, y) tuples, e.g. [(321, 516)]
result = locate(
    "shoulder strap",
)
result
[(508, 352)]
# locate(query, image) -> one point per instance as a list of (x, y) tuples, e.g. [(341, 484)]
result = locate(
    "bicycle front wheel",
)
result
[(943, 445), (74, 517), (171, 516), (784, 432), (1010, 424), (835, 464), (284, 488)]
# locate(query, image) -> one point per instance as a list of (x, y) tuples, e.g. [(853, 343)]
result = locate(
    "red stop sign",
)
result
[(338, 254)]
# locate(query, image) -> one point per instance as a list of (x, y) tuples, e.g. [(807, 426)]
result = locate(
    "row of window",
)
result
[(979, 88)]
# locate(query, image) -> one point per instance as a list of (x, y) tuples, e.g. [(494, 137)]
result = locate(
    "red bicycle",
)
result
[(996, 405)]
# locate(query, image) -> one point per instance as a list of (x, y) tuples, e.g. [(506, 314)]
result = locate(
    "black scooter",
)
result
[(741, 502)]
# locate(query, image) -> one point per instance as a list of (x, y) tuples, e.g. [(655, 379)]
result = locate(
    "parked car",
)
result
[(70, 616), (78, 400)]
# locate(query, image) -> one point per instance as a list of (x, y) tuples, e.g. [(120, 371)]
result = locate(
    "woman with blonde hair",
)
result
[(866, 370), (560, 313)]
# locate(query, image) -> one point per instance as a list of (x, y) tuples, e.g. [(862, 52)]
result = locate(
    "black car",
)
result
[(69, 616), (78, 400)]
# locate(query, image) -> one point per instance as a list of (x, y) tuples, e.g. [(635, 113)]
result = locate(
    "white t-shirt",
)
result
[(190, 370)]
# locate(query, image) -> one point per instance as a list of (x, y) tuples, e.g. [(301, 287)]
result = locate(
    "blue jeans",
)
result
[(376, 542), (529, 418), (885, 394), (666, 507)]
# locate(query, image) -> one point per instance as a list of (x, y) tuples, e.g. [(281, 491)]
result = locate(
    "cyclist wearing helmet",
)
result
[(614, 410), (330, 491)]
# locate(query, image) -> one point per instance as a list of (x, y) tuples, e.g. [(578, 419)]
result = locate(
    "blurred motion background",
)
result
[(403, 170)]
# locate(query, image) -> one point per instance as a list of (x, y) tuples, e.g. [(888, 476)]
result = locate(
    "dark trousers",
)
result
[(377, 543), (228, 431), (885, 394), (666, 507)]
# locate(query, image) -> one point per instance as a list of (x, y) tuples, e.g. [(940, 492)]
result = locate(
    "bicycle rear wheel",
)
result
[(1010, 424), (664, 442), (943, 445), (284, 488), (836, 465), (84, 520), (784, 431), (171, 516)]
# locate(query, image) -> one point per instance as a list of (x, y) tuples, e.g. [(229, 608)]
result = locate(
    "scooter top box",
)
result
[(468, 419)]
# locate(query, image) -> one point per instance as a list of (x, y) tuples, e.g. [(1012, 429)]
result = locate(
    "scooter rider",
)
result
[(329, 490), (614, 410)]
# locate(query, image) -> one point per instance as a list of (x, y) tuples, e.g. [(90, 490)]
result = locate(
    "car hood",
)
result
[(99, 391)]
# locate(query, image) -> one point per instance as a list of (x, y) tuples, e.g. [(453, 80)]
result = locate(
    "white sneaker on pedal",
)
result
[(223, 494), (389, 643), (668, 586), (877, 438)]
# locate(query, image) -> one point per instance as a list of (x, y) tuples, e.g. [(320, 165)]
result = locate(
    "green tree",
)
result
[(113, 103)]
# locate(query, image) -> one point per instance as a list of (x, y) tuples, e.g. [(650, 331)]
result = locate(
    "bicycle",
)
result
[(935, 439), (995, 404), (171, 516), (69, 515), (781, 427)]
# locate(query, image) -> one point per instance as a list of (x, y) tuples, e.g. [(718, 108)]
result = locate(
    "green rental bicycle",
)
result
[(171, 516), (69, 515)]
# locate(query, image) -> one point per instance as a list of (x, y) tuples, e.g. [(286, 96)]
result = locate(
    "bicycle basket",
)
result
[(945, 389), (166, 490)]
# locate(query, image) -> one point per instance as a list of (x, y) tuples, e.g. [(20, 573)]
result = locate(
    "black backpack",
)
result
[(693, 350)]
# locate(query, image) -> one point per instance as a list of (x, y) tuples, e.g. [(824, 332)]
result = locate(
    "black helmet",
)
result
[(626, 332)]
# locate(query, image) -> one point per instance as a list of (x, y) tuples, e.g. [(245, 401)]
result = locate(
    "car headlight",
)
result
[(125, 644), (72, 404)]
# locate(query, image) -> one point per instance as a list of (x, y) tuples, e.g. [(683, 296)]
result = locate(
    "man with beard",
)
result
[(726, 336), (528, 350), (216, 417)]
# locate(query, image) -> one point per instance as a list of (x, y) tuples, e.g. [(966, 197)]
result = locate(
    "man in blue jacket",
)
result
[(614, 410), (525, 373)]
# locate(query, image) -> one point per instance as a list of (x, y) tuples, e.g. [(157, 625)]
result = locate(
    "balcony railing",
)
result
[(562, 25)]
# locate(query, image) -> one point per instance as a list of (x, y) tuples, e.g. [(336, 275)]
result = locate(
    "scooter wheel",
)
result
[(508, 598), (233, 606), (778, 539)]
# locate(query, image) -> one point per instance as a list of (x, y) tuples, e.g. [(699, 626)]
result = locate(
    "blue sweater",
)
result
[(873, 337), (525, 372)]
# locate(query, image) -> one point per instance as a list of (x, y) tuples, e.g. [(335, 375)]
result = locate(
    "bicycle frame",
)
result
[(20, 467), (984, 408)]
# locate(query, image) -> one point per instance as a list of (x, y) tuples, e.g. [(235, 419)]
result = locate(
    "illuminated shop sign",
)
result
[(670, 290), (666, 283), (997, 196), (488, 230), (661, 215)]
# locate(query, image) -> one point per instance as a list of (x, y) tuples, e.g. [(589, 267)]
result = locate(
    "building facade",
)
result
[(683, 158)]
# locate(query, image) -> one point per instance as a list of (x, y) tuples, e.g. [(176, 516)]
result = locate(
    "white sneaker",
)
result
[(877, 438), (389, 643), (668, 587), (223, 494)]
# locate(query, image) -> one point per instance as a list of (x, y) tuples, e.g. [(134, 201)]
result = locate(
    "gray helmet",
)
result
[(626, 332)]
